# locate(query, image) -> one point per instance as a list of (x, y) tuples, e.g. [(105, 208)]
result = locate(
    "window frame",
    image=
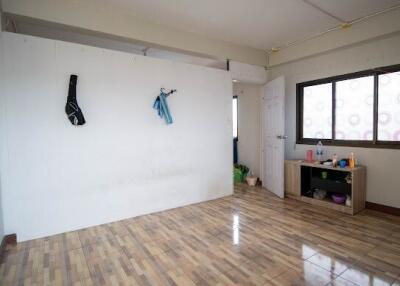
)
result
[(374, 143), (237, 117)]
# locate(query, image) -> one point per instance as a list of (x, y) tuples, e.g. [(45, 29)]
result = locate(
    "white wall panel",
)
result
[(125, 161)]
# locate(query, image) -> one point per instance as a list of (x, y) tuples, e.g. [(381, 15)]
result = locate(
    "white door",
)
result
[(273, 136)]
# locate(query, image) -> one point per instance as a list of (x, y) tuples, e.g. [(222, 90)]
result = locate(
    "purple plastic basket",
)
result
[(338, 198)]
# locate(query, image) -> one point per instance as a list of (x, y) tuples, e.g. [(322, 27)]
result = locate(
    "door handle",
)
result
[(282, 137)]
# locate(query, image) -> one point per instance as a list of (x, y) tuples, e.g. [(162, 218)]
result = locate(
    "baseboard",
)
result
[(7, 239), (382, 208)]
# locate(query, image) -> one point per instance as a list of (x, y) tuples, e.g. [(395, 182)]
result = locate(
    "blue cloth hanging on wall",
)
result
[(161, 105)]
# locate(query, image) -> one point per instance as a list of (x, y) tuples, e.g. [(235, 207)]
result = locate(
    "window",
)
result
[(360, 109), (354, 109), (389, 107), (235, 116), (317, 120)]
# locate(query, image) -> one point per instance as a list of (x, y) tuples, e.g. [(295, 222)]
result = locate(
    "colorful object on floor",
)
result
[(240, 173), (161, 105), (251, 180)]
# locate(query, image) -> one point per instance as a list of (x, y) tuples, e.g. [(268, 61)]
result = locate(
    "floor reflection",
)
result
[(346, 272), (307, 251), (365, 277), (235, 228), (329, 263)]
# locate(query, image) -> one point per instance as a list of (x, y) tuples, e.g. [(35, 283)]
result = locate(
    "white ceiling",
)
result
[(352, 9), (260, 24)]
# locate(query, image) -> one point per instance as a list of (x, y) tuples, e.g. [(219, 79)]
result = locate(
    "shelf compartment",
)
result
[(331, 186), (328, 204)]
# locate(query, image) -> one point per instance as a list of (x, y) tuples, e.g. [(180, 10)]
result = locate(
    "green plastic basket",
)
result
[(240, 173), (237, 175)]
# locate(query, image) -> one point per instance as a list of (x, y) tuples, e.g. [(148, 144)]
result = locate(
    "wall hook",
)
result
[(167, 93)]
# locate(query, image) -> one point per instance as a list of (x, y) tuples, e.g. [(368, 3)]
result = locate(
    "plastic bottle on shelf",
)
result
[(334, 161), (352, 160), (319, 151), (348, 201)]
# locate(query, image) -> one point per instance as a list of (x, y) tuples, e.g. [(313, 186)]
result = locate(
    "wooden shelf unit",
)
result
[(297, 178)]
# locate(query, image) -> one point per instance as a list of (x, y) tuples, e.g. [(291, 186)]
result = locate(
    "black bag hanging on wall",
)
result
[(72, 109)]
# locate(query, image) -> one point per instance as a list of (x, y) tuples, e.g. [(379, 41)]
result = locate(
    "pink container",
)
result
[(309, 156)]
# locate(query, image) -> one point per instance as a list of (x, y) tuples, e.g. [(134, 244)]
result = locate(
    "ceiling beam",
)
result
[(107, 19)]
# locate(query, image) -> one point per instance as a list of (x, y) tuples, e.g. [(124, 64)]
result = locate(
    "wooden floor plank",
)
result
[(249, 238)]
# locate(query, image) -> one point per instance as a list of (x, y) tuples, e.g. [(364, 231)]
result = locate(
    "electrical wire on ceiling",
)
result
[(343, 25)]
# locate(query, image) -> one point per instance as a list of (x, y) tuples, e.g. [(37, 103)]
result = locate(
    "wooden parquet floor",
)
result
[(250, 238)]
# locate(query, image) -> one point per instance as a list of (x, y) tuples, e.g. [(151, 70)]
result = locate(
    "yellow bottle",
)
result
[(352, 160)]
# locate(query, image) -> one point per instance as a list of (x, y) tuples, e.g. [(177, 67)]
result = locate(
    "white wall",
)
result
[(125, 161), (249, 98), (383, 178)]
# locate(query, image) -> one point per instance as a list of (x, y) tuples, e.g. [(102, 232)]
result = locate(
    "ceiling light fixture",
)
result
[(345, 25)]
